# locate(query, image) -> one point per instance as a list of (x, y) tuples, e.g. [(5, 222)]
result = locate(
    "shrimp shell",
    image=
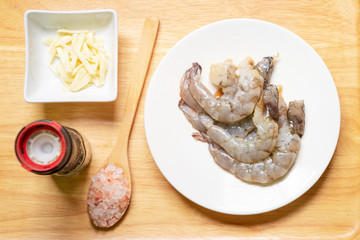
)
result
[(235, 139), (240, 96), (273, 167), (252, 149), (200, 120)]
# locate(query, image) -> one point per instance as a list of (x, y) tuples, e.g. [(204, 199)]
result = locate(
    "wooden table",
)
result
[(45, 207)]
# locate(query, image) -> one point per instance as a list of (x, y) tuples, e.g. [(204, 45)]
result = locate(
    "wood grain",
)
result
[(45, 207)]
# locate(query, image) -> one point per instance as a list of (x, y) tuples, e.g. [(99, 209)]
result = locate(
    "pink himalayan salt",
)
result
[(109, 196)]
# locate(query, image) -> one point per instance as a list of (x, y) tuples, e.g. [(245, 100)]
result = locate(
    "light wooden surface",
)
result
[(45, 207)]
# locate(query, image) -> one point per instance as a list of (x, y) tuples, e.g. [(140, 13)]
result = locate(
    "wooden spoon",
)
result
[(110, 189)]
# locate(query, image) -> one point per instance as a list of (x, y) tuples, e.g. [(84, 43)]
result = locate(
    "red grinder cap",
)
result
[(22, 141)]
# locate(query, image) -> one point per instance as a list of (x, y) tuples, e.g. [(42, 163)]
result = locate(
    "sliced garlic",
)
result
[(82, 58)]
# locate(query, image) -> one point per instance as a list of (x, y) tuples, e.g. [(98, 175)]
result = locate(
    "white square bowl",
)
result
[(41, 84)]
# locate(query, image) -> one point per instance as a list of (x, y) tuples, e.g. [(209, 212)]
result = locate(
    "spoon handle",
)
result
[(140, 68)]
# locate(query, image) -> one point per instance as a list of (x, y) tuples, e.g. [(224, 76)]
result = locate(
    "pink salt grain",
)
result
[(109, 196)]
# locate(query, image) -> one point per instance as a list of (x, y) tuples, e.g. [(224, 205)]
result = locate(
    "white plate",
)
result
[(188, 165), (41, 84)]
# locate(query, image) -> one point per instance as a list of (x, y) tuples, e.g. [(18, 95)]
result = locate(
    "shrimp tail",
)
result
[(296, 116), (265, 68), (192, 73), (271, 101)]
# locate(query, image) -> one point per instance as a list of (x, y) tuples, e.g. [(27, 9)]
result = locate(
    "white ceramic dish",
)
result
[(188, 165), (41, 84)]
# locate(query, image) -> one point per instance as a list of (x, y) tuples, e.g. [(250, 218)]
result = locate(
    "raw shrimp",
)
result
[(240, 94), (275, 166), (240, 129), (252, 148)]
